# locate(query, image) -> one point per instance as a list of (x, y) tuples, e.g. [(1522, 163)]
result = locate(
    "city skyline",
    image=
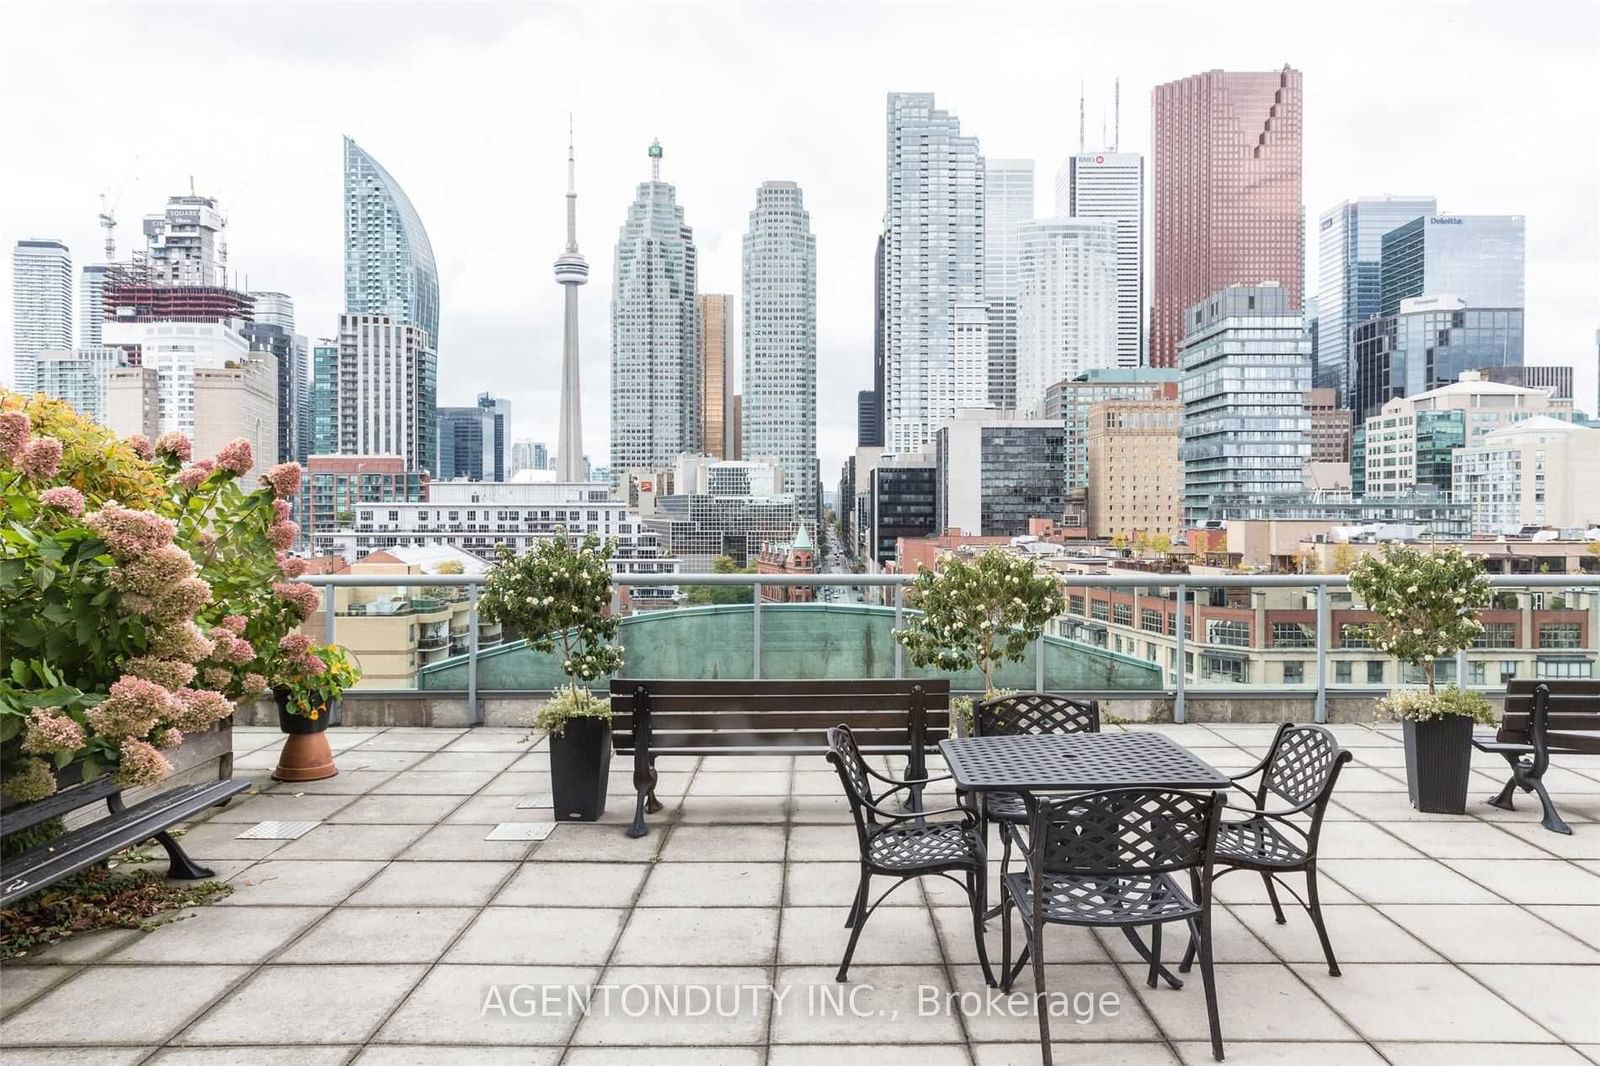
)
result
[(487, 205)]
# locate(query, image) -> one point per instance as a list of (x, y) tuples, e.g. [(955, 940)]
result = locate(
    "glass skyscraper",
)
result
[(1111, 185), (779, 418), (1429, 343), (1246, 369), (388, 261), (1008, 205), (1349, 275), (41, 305), (936, 330), (1225, 167), (1477, 258), (655, 358)]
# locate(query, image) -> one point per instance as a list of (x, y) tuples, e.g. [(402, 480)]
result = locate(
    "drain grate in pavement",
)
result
[(520, 831), (277, 831)]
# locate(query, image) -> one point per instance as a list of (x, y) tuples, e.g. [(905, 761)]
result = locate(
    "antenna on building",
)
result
[(655, 159), (1116, 123), (1080, 116)]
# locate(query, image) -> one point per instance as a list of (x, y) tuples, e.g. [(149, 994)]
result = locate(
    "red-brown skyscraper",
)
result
[(1225, 168)]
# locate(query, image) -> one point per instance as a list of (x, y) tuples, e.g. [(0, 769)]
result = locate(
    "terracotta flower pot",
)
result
[(306, 755)]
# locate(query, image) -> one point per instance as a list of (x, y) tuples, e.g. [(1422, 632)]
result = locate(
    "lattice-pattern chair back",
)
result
[(1302, 764), (1124, 831), (845, 754), (1033, 713)]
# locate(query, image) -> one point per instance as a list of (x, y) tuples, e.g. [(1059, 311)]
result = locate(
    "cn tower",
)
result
[(572, 270)]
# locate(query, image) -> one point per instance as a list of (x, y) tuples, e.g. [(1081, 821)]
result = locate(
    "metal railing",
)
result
[(1182, 585)]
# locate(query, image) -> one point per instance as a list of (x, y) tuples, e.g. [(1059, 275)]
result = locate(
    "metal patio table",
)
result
[(1077, 762)]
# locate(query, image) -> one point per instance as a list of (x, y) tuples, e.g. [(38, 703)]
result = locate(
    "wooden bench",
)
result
[(1542, 717), (122, 827), (648, 717)]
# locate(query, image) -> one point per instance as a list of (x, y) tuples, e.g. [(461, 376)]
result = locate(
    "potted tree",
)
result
[(978, 614), (558, 596), (308, 683), (1427, 604)]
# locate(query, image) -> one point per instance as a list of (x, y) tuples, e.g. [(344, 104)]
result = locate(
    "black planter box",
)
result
[(299, 723), (1439, 763), (580, 767)]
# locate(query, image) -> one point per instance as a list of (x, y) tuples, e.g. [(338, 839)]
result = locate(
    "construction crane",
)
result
[(108, 211)]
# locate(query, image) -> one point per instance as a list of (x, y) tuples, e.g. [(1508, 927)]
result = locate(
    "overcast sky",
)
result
[(1493, 108)]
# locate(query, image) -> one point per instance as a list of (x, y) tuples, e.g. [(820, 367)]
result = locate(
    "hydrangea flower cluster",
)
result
[(63, 498), (174, 445)]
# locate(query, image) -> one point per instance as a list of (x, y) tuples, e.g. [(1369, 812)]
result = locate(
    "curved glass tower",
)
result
[(388, 262)]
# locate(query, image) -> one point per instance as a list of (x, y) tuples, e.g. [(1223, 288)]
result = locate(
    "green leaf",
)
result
[(44, 577), (10, 727)]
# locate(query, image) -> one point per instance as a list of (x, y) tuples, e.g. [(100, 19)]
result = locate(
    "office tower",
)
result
[(499, 446), (714, 327), (1067, 303), (1430, 342), (572, 270), (996, 471), (901, 501), (41, 303), (1538, 472), (1008, 205), (238, 400), (1476, 258), (869, 412), (1225, 167), (1069, 402), (1111, 185), (387, 390), (1554, 380), (529, 455), (1350, 278), (272, 330), (936, 347), (466, 444), (655, 380), (133, 401), (1135, 467), (1329, 425), (175, 349), (78, 376), (324, 401), (388, 261), (780, 340), (185, 244), (1246, 368), (92, 303)]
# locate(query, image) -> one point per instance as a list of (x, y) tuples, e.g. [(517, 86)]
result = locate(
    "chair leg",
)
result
[(1551, 821), (1005, 939), (975, 897), (1041, 1003), (1155, 955), (1272, 894), (1209, 978), (857, 903), (855, 929), (1314, 907), (1189, 952)]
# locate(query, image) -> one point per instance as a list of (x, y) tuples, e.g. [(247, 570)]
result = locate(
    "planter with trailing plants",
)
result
[(558, 595), (981, 613), (308, 681), (1427, 604), (578, 724), (1438, 734)]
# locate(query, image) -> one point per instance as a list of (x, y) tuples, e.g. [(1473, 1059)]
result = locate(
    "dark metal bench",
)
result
[(1542, 717), (122, 827), (899, 717)]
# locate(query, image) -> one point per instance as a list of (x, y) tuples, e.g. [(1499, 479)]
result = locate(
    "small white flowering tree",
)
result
[(557, 595), (981, 613), (1427, 602)]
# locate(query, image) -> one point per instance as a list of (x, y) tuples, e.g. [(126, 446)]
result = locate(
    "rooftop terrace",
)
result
[(422, 893)]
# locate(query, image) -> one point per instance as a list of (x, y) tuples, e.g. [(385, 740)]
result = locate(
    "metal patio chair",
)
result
[(1024, 714), (1301, 768), (904, 846), (1106, 860)]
